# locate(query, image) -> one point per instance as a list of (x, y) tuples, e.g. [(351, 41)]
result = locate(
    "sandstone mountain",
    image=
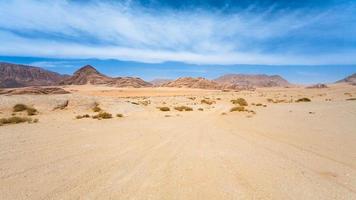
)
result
[(89, 75), (250, 81), (350, 79), (14, 75), (189, 82), (34, 90)]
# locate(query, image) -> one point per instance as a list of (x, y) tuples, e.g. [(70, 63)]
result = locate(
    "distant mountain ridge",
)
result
[(189, 82), (15, 75), (259, 80), (350, 79)]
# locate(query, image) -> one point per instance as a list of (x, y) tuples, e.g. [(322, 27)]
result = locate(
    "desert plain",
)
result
[(279, 149)]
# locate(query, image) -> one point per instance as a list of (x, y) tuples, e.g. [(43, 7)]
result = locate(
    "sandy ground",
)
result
[(284, 151)]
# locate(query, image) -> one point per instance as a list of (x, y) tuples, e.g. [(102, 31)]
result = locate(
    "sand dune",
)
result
[(286, 150)]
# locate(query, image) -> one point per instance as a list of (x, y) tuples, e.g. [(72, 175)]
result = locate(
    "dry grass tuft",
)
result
[(183, 108), (164, 109), (82, 116), (22, 107), (207, 101), (96, 107), (303, 100), (237, 108), (240, 101), (15, 120), (102, 115), (19, 107)]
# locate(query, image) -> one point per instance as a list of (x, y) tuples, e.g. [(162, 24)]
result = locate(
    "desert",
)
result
[(272, 150)]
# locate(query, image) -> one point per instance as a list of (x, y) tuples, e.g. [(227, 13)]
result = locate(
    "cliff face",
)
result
[(14, 75), (243, 80)]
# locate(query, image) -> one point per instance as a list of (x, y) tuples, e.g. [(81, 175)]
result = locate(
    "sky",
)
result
[(307, 41)]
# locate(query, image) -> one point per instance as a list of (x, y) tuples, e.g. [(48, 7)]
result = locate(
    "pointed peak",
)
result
[(87, 69)]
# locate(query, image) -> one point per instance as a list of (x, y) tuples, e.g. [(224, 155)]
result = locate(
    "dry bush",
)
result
[(351, 99), (259, 104), (192, 98), (22, 107), (82, 116), (19, 107), (14, 120), (237, 108), (183, 108), (164, 109), (207, 101), (303, 100), (119, 115), (96, 108), (31, 111), (200, 109), (102, 115), (240, 101), (145, 103)]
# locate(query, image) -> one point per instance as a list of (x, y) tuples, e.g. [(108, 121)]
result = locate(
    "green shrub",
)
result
[(164, 109), (240, 101), (303, 100), (237, 108), (183, 108)]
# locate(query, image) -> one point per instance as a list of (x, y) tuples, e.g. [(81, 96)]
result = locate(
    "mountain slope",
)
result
[(189, 82), (14, 75), (350, 79), (89, 75), (243, 80)]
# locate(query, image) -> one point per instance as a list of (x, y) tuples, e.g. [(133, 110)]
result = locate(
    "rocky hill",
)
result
[(249, 81), (159, 82), (189, 82), (14, 75), (350, 79), (89, 75)]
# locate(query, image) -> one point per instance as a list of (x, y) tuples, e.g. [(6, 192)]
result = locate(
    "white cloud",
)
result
[(64, 29)]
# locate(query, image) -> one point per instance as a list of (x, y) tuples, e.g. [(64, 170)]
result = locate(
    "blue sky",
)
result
[(305, 41)]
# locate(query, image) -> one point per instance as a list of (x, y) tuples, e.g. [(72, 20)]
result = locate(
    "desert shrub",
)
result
[(119, 115), (14, 120), (240, 101), (135, 103), (82, 116), (207, 101), (35, 120), (200, 109), (237, 108), (351, 99), (303, 100), (259, 104), (145, 103), (19, 107), (102, 115), (96, 108), (164, 109), (31, 111), (192, 98), (183, 108)]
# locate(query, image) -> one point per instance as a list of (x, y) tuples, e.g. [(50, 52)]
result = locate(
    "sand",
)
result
[(284, 151)]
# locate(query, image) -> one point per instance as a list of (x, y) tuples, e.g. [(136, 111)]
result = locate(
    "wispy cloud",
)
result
[(67, 29)]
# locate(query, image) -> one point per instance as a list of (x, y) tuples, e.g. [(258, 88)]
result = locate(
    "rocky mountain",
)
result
[(14, 75), (250, 81), (89, 75), (159, 82), (317, 86), (189, 82), (350, 79)]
